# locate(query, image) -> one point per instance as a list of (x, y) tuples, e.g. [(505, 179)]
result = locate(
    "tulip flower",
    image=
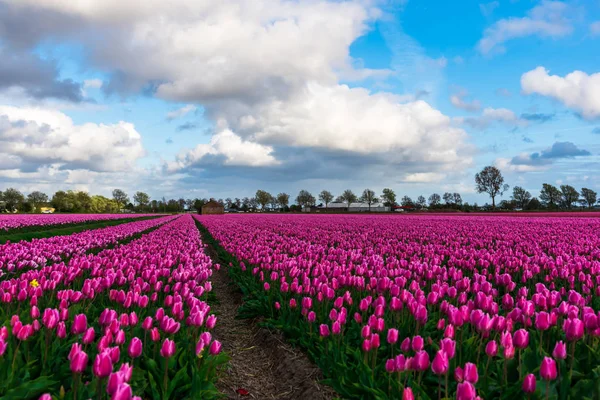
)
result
[(79, 324), (324, 330), (529, 383), (407, 394), (215, 348), (465, 391), (392, 335), (390, 365), (102, 366), (470, 373), (548, 370), (135, 348), (123, 392), (79, 362), (560, 351), (491, 348), (440, 363), (521, 339), (417, 343), (421, 361), (167, 349)]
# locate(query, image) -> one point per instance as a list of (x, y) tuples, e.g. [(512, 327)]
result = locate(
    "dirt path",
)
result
[(261, 363)]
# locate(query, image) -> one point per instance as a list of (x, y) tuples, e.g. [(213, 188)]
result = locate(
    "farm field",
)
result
[(387, 307), (428, 306), (20, 221)]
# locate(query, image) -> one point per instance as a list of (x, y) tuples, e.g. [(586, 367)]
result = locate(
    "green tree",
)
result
[(490, 181), (589, 197), (550, 195), (36, 199), (13, 199), (120, 197), (570, 195), (407, 202), (283, 199), (141, 199), (421, 202), (388, 197), (263, 198), (326, 197), (348, 197), (521, 196)]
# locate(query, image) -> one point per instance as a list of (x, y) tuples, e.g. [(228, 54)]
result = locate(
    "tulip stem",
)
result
[(447, 385), (14, 361), (166, 377)]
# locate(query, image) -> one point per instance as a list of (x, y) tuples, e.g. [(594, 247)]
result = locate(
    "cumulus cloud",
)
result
[(181, 112), (268, 78), (228, 149), (548, 19), (577, 90), (35, 137), (37, 78)]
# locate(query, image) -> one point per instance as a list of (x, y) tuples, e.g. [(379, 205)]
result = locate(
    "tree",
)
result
[(36, 198), (407, 202), (60, 201), (434, 200), (534, 204), (490, 181), (521, 196), (569, 195), (198, 203), (13, 198), (142, 199), (228, 202), (263, 198), (589, 197), (421, 202), (368, 196), (283, 199), (457, 199), (120, 197), (448, 198), (305, 198), (550, 195), (348, 197), (326, 197), (252, 203), (388, 197)]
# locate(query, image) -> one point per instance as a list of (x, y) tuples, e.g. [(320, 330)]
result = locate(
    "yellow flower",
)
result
[(34, 283)]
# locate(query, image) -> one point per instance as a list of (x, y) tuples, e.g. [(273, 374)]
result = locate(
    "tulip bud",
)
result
[(167, 349), (548, 370), (521, 339), (79, 362), (407, 394), (390, 365), (465, 391), (135, 348), (324, 330), (417, 343), (215, 348), (102, 366), (392, 335), (529, 383), (471, 374), (440, 363), (491, 348), (560, 351), (79, 324), (89, 336)]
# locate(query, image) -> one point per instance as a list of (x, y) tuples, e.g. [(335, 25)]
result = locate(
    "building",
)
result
[(213, 207), (343, 207)]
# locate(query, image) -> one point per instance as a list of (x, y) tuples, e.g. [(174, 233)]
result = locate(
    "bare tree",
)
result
[(368, 196), (490, 181)]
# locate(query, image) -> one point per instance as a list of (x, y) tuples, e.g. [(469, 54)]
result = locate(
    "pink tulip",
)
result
[(573, 329), (440, 363), (392, 336), (491, 348), (407, 394), (167, 349), (521, 339), (465, 391), (560, 350), (417, 343), (529, 383), (79, 362), (123, 392), (88, 336), (390, 365), (215, 348), (471, 374), (421, 361), (548, 370), (115, 379), (324, 330), (102, 366), (79, 324), (449, 347), (135, 348)]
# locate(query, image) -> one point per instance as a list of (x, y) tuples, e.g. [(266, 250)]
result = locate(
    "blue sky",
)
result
[(220, 99)]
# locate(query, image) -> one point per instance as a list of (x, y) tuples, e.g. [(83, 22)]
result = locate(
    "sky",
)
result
[(218, 99)]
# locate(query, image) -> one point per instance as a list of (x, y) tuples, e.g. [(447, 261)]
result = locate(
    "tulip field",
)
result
[(9, 222), (387, 306), (127, 321), (430, 307)]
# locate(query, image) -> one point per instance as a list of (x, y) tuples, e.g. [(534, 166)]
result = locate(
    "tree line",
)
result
[(489, 180)]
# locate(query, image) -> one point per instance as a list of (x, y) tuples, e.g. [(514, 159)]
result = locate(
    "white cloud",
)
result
[(34, 137), (458, 101), (228, 149), (595, 28), (493, 115), (549, 19), (92, 83), (577, 90), (181, 112), (505, 164)]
